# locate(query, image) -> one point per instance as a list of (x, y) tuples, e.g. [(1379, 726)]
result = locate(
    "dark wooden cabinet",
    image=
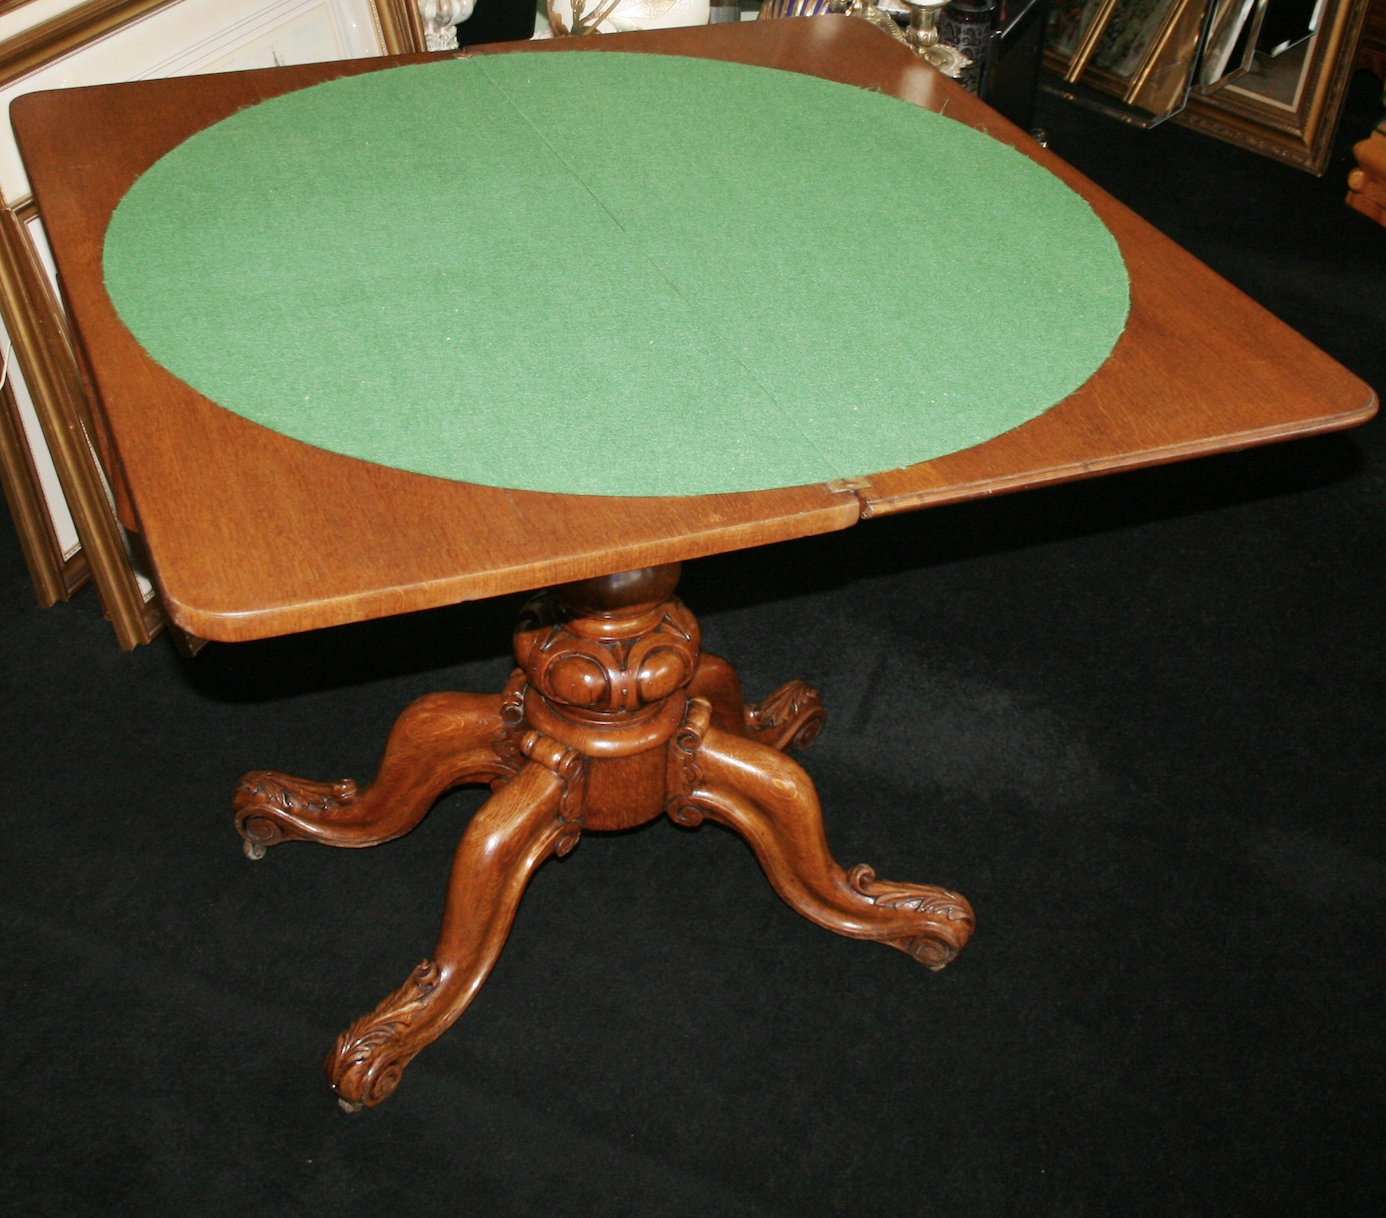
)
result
[(1371, 51)]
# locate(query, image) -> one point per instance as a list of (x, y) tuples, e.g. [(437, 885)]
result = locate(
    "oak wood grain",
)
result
[(253, 534)]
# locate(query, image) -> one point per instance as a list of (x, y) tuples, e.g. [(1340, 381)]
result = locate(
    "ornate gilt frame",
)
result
[(1302, 134), (43, 351)]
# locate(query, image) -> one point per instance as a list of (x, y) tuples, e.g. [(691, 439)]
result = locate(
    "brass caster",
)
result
[(253, 850), (349, 1105)]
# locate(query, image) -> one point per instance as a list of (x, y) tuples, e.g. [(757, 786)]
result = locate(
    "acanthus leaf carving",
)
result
[(370, 1056), (790, 718), (951, 914), (267, 805), (917, 898)]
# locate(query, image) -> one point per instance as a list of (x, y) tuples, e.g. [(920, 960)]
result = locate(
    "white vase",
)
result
[(619, 16)]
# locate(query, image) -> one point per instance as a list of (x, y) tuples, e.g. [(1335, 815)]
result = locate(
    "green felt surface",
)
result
[(615, 274)]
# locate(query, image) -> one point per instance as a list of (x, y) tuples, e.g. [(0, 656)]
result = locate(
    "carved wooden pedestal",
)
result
[(613, 717)]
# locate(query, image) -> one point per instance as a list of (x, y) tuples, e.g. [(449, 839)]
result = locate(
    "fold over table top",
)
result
[(586, 250), (254, 534)]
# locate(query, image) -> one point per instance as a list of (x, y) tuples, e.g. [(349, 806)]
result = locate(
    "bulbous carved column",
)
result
[(606, 664)]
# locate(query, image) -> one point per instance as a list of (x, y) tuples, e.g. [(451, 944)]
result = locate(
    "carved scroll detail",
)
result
[(790, 718), (375, 1045), (571, 766), (684, 772), (512, 713), (932, 951), (265, 799)]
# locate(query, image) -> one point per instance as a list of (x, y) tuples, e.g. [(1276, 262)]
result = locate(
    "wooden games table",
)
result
[(614, 716)]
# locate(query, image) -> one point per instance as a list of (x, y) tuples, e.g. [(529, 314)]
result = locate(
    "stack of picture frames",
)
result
[(1270, 75), (53, 480)]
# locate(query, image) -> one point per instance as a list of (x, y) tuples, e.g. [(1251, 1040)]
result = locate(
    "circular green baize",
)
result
[(615, 274)]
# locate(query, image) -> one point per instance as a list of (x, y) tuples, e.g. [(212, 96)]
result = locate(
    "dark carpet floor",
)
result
[(1140, 722)]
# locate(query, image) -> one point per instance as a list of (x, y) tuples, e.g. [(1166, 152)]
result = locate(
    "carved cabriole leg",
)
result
[(770, 801), (438, 742), (512, 833), (613, 717)]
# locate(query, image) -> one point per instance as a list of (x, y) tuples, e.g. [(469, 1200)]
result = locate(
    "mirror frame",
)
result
[(1299, 135)]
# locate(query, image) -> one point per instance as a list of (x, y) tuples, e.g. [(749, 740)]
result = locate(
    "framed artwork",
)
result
[(1075, 26), (1068, 19), (1130, 34), (62, 503), (1287, 105), (1147, 52), (1141, 52)]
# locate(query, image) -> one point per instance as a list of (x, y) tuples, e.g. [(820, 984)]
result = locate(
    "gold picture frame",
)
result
[(1290, 109), (63, 505), (1141, 52)]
